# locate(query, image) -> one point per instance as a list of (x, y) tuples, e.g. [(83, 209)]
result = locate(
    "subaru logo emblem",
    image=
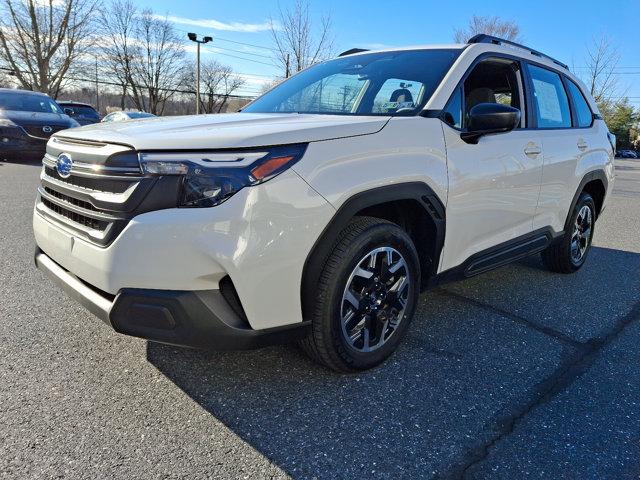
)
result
[(63, 165), (47, 129)]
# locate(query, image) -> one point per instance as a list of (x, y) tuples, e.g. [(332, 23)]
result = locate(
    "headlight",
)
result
[(5, 122), (210, 178)]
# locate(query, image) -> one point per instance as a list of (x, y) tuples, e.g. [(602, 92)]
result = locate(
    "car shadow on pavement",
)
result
[(31, 161), (477, 353)]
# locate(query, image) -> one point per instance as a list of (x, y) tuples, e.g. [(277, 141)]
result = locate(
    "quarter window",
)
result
[(583, 112), (453, 111), (550, 98)]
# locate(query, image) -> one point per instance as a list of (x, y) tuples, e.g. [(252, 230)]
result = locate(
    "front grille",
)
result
[(36, 130), (97, 184), (104, 191), (70, 200), (77, 218)]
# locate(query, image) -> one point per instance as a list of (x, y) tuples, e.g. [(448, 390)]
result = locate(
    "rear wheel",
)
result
[(569, 254), (365, 298)]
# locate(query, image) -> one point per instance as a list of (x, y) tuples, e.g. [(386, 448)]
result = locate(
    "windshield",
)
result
[(386, 83), (28, 103)]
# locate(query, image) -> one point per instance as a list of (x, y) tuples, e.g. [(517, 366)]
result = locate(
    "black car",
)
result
[(27, 120), (626, 154), (83, 113)]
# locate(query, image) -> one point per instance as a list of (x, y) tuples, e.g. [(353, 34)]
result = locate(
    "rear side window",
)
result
[(550, 98), (583, 112)]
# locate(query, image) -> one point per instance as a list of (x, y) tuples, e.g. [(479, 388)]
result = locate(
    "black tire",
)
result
[(559, 256), (327, 343)]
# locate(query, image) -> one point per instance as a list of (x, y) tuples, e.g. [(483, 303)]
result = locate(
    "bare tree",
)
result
[(4, 79), (43, 40), (218, 83), (156, 62), (265, 87), (119, 49), (602, 61), (496, 26), (298, 43)]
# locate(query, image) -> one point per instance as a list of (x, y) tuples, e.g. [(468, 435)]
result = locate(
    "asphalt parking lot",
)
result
[(519, 373)]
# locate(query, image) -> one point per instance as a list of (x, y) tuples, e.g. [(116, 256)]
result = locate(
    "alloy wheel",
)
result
[(375, 299), (581, 236)]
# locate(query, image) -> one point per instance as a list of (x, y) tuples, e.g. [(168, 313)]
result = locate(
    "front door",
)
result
[(493, 185)]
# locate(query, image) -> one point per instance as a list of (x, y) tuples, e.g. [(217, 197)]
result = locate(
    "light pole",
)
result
[(194, 38)]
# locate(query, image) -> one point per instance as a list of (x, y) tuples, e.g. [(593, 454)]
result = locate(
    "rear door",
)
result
[(494, 185), (565, 143)]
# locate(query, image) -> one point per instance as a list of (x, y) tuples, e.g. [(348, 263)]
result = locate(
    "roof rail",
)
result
[(484, 38), (353, 51)]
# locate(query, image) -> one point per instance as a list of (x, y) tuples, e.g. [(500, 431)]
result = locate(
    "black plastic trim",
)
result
[(499, 256), (589, 177), (323, 246), (202, 319), (431, 113)]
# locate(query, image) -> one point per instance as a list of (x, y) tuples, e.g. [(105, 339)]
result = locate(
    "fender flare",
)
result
[(322, 248), (598, 174)]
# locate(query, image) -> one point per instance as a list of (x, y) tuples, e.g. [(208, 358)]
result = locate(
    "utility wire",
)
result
[(241, 58), (216, 37)]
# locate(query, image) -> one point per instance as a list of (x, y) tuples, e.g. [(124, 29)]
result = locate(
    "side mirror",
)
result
[(69, 111), (489, 118)]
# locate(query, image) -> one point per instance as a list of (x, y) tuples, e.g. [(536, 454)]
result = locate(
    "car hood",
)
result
[(25, 119), (229, 130)]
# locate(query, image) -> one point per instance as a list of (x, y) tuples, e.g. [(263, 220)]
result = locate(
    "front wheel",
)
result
[(365, 298), (570, 253)]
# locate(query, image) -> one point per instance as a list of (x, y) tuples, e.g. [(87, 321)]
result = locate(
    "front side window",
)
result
[(550, 99), (583, 111), (495, 80), (385, 83)]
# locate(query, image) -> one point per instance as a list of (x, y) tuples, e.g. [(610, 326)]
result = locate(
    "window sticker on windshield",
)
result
[(548, 101)]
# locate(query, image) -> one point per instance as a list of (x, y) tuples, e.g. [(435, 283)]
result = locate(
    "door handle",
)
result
[(532, 151), (582, 145)]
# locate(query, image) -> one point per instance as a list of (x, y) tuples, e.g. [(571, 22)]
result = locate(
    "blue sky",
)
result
[(562, 29)]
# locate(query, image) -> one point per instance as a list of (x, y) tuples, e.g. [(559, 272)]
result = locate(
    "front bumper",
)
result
[(259, 238), (198, 319)]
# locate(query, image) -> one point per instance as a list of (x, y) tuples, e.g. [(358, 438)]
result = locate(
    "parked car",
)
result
[(83, 113), (27, 120), (125, 115), (626, 154), (321, 211)]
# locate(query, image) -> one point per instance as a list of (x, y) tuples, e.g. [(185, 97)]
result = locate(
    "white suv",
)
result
[(322, 210)]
